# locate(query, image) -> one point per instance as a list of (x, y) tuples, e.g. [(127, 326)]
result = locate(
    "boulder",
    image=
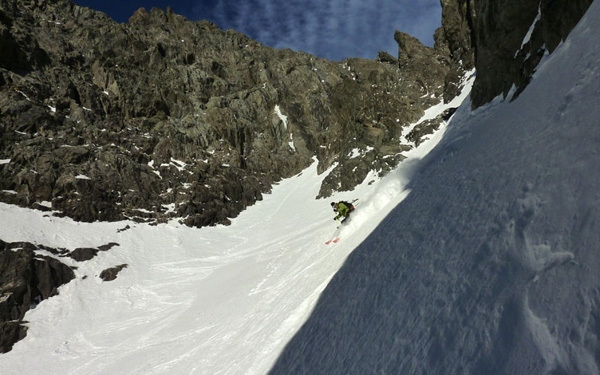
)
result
[(111, 273)]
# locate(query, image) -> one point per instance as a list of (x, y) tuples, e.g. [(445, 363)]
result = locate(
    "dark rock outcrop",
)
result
[(111, 273), (456, 32), (81, 254), (507, 38), (163, 117), (26, 278)]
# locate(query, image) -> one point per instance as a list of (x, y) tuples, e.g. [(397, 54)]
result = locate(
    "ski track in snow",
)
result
[(490, 264), (216, 300)]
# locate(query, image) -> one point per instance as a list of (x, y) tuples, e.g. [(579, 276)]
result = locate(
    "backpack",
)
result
[(349, 205)]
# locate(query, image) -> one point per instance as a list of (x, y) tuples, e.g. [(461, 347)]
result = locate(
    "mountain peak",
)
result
[(163, 111)]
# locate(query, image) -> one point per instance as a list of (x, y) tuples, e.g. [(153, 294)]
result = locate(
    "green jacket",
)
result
[(342, 210)]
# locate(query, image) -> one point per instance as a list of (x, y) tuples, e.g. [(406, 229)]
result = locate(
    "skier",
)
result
[(342, 209)]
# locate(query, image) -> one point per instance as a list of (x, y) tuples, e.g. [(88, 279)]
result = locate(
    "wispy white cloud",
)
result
[(332, 29)]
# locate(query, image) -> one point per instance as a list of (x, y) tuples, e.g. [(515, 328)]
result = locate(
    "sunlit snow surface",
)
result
[(491, 265), (486, 264), (218, 300)]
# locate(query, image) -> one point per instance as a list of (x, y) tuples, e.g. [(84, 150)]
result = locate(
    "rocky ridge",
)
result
[(163, 117), (508, 39)]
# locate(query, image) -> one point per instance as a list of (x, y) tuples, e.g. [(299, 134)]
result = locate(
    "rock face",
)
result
[(25, 280), (162, 117), (457, 30), (508, 38), (28, 276)]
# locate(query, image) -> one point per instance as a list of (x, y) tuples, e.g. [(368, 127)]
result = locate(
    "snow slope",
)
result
[(490, 265), (219, 300), (478, 259)]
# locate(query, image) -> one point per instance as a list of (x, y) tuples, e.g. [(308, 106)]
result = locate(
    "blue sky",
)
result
[(333, 29)]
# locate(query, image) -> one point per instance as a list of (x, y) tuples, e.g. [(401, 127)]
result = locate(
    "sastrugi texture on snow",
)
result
[(490, 265), (487, 267)]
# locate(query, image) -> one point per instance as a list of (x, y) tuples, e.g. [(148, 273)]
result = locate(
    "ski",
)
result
[(335, 237)]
